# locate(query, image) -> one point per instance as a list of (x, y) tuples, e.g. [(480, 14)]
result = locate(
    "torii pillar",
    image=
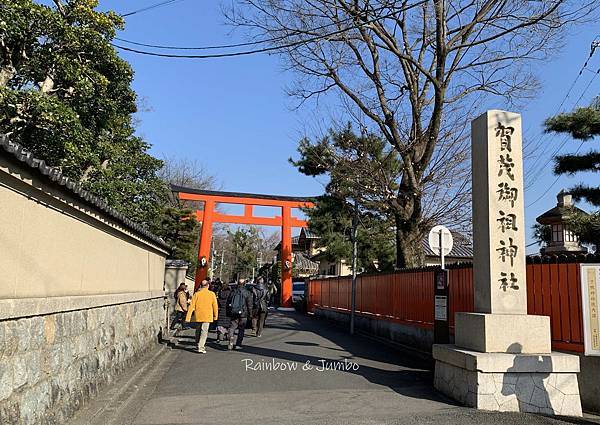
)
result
[(204, 249), (286, 257)]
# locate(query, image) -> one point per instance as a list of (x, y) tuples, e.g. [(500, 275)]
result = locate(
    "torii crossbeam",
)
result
[(208, 216)]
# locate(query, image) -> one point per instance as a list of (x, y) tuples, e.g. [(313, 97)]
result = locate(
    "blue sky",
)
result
[(233, 114)]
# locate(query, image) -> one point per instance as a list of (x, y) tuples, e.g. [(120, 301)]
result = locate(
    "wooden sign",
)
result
[(590, 293)]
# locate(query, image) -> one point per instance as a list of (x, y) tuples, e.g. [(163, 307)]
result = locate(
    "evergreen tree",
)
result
[(331, 220), (244, 250), (582, 124), (66, 96), (360, 169)]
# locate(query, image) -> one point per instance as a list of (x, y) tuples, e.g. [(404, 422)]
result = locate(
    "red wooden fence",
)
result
[(406, 296)]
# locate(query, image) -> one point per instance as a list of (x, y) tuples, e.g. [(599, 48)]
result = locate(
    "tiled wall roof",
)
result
[(54, 175)]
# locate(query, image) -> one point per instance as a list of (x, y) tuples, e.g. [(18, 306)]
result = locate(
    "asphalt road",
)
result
[(323, 376)]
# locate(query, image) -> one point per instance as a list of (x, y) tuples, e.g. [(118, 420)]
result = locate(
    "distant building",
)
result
[(311, 259), (563, 240), (462, 251), (329, 267), (303, 247)]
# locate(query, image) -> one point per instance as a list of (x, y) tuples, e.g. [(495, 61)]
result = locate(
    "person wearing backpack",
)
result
[(223, 321), (181, 306), (260, 306), (206, 310), (239, 306)]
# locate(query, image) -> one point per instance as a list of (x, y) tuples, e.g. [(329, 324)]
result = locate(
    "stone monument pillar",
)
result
[(502, 357)]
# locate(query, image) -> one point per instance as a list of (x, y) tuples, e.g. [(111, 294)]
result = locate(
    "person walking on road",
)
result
[(271, 292), (205, 309), (260, 306), (223, 321), (240, 308), (181, 306)]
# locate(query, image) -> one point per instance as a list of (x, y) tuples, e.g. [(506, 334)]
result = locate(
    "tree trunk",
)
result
[(6, 73), (409, 248)]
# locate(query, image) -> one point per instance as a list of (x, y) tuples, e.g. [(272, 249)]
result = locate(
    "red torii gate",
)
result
[(208, 216)]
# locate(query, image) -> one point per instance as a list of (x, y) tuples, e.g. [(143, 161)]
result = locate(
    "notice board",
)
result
[(590, 294)]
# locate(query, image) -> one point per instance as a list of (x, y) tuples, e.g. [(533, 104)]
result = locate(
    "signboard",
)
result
[(441, 307), (590, 294), (441, 326), (440, 235)]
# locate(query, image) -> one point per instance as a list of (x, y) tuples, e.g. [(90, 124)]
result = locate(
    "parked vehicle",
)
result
[(298, 291)]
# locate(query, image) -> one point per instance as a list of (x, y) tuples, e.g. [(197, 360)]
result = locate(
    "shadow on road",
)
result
[(378, 364)]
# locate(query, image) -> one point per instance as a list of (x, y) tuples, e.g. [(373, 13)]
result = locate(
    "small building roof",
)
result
[(295, 243), (308, 234), (561, 212), (303, 264), (462, 247)]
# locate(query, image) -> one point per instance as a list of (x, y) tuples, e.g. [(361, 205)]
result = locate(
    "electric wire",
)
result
[(245, 44), (270, 48), (538, 171), (154, 6), (312, 39), (552, 185), (566, 138), (222, 46)]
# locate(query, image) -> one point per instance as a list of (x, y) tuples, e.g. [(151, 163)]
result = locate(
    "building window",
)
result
[(331, 270), (570, 236), (557, 233)]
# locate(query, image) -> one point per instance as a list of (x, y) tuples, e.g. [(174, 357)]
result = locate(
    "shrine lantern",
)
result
[(563, 240)]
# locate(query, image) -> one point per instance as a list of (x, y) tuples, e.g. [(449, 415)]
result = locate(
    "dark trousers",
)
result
[(258, 322), (239, 324), (179, 318)]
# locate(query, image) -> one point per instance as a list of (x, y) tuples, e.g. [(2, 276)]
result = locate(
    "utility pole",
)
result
[(258, 263), (354, 262), (212, 259), (213, 252), (221, 268)]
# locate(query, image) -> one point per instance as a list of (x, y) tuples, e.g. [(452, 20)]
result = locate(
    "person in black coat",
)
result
[(223, 321), (260, 307), (239, 306)]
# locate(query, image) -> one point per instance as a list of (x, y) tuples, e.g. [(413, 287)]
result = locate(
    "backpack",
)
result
[(236, 304), (260, 299)]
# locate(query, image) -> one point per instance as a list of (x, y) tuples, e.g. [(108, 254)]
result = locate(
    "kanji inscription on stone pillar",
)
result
[(498, 214)]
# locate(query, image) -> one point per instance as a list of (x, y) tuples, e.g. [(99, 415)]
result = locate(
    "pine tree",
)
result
[(582, 124), (360, 169)]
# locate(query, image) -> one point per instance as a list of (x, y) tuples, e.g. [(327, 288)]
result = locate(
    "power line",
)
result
[(553, 183), (154, 6), (595, 44), (271, 48), (563, 143), (588, 85), (222, 46), (250, 43)]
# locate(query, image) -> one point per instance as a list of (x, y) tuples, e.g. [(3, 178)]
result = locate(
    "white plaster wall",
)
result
[(51, 244)]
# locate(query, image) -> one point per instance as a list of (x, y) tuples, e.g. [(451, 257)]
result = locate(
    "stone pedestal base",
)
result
[(545, 383), (503, 333)]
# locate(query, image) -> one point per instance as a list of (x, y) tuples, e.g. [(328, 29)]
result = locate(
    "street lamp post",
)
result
[(354, 261)]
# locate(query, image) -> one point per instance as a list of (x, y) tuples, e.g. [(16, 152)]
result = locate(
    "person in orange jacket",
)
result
[(205, 309)]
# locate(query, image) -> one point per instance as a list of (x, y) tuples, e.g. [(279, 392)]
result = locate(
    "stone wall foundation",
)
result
[(53, 364)]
